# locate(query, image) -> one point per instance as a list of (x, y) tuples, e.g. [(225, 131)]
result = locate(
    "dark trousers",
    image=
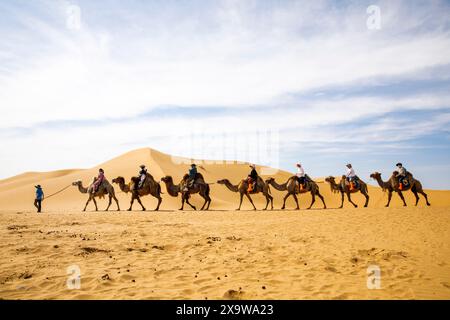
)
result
[(38, 204)]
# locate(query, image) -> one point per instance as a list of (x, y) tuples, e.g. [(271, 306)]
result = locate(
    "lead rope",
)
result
[(53, 194)]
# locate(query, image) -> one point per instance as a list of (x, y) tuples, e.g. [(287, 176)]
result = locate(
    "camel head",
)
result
[(270, 180), (119, 180), (222, 181), (330, 179), (76, 183), (167, 179), (375, 175)]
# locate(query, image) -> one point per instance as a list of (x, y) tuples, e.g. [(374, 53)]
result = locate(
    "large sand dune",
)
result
[(222, 253)]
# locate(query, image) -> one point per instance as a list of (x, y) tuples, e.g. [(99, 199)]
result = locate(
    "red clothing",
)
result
[(98, 182)]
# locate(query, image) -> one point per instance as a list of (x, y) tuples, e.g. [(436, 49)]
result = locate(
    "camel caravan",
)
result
[(193, 182)]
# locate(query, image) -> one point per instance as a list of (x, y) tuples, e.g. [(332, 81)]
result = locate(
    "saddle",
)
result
[(252, 185), (355, 181)]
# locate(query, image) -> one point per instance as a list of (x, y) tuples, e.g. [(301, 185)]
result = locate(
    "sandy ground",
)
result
[(220, 254)]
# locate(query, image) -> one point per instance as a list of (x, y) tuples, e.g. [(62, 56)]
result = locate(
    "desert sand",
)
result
[(221, 253)]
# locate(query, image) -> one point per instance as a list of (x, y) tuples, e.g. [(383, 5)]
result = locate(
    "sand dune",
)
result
[(220, 254), (17, 193)]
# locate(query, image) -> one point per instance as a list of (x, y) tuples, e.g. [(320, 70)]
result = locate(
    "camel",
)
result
[(200, 187), (343, 187), (104, 189), (150, 186), (242, 188), (292, 187), (392, 185)]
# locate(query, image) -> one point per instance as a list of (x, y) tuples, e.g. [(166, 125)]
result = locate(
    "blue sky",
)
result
[(227, 79)]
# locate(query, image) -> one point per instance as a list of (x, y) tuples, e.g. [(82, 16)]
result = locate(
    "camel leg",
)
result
[(87, 202), (117, 202), (389, 198), (182, 202), (131, 202), (296, 201), (414, 191), (342, 200), (271, 201), (193, 207), (251, 201), (207, 202), (109, 203), (312, 200), (321, 198), (269, 198), (95, 203), (425, 196), (350, 200), (159, 203), (240, 203), (284, 201), (367, 198), (140, 202), (400, 194)]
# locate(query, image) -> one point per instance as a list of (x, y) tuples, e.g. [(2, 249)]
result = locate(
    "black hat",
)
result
[(101, 170), (142, 166), (399, 164), (38, 186), (193, 165)]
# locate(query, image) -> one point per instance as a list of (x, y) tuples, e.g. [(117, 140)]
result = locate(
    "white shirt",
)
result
[(300, 172), (350, 173)]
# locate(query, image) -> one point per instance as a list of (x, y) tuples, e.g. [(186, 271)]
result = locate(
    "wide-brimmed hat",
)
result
[(142, 166), (193, 165), (38, 186), (399, 164)]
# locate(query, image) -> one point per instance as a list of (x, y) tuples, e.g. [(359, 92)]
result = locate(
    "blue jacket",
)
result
[(192, 173), (39, 194)]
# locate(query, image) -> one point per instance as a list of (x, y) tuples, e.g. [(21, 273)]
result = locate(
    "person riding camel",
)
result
[(98, 181), (252, 178), (191, 179), (401, 175), (300, 175), (142, 176), (350, 176)]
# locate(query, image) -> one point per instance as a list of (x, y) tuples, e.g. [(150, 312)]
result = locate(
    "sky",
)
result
[(324, 83)]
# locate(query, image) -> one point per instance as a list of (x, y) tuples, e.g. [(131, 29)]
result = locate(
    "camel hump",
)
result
[(199, 176), (149, 176)]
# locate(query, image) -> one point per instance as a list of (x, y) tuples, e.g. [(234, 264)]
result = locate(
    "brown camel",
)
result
[(344, 187), (104, 189), (200, 187), (392, 185), (242, 188), (292, 187), (150, 186)]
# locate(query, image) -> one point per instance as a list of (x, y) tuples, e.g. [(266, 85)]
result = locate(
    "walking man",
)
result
[(39, 198)]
